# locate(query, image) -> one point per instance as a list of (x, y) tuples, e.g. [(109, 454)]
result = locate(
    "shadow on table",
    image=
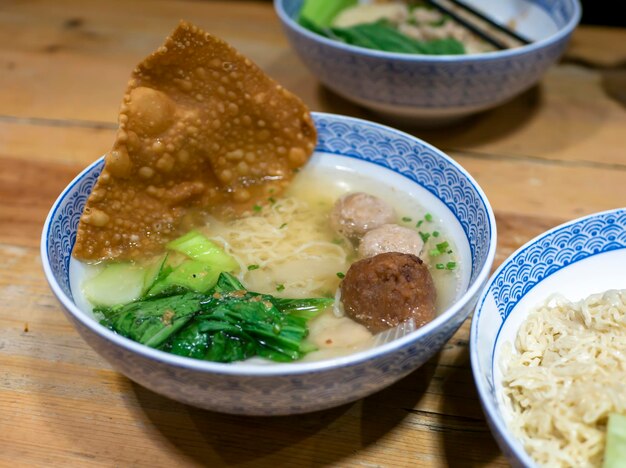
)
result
[(466, 437), (475, 130), (313, 439)]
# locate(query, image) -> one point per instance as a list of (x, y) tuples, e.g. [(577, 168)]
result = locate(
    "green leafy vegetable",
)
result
[(225, 324), (193, 275), (151, 321), (615, 451), (228, 283), (321, 13), (198, 247), (117, 283), (383, 35), (306, 308)]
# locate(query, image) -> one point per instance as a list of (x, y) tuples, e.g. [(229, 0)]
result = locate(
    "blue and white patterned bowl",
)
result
[(434, 89), (379, 152), (576, 259)]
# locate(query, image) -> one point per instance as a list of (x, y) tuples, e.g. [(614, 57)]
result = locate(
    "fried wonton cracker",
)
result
[(201, 129)]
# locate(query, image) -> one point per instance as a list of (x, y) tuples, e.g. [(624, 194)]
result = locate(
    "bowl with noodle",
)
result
[(350, 154), (548, 340), (430, 88)]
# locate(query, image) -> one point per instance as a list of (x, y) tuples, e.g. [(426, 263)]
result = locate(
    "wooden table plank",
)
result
[(95, 49)]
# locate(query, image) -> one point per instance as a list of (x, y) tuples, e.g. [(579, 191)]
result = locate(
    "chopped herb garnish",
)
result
[(341, 275), (337, 241), (449, 251), (419, 223), (451, 265), (256, 208), (424, 236), (282, 225), (272, 200), (428, 217), (435, 233), (406, 219), (439, 266), (434, 252), (253, 267), (280, 287), (443, 247)]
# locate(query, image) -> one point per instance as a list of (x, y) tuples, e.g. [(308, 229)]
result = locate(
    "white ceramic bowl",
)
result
[(389, 156), (576, 259), (436, 89)]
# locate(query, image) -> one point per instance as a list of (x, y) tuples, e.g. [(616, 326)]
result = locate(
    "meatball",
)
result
[(356, 213), (390, 238), (383, 291)]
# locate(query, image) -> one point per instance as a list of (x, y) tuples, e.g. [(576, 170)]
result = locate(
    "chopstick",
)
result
[(493, 23), (475, 29)]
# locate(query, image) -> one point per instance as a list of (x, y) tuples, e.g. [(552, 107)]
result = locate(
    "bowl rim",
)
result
[(493, 413), (277, 369), (560, 34)]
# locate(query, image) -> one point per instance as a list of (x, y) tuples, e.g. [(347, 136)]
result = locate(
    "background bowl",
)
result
[(436, 89), (380, 152), (576, 259)]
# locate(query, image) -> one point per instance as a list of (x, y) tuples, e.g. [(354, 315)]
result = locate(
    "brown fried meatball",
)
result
[(356, 213), (383, 291)]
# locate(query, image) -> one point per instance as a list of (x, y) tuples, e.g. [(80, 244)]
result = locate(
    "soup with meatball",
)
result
[(369, 258), (208, 235)]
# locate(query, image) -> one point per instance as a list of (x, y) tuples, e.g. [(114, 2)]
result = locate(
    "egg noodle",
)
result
[(285, 247), (566, 374)]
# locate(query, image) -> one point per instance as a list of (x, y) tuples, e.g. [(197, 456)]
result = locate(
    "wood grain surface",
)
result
[(552, 154)]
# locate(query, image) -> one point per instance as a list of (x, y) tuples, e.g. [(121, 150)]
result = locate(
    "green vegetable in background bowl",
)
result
[(390, 27)]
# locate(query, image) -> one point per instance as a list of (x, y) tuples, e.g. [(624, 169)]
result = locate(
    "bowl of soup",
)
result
[(456, 75), (547, 345), (290, 248)]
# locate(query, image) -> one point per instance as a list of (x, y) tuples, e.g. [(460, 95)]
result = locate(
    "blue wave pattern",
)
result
[(556, 250), (63, 226), (418, 162), (427, 83)]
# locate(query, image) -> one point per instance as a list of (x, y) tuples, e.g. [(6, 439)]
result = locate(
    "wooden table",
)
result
[(554, 153)]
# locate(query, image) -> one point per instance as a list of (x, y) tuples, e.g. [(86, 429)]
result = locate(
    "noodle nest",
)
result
[(565, 376), (289, 246)]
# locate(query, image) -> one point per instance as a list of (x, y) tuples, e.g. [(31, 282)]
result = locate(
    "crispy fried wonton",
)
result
[(201, 129)]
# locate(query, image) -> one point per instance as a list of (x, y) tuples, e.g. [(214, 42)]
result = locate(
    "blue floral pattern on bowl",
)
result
[(302, 387)]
